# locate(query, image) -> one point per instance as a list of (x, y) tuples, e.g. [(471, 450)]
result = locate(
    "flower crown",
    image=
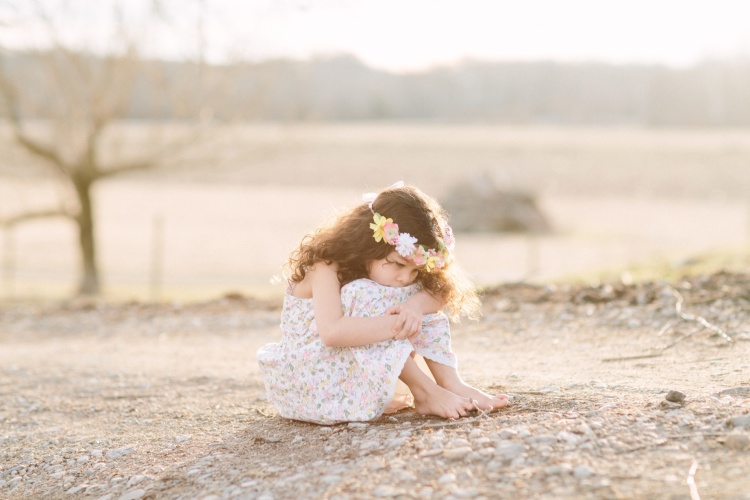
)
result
[(406, 245)]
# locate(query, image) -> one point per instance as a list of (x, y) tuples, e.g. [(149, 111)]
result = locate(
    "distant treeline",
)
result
[(713, 93), (342, 88)]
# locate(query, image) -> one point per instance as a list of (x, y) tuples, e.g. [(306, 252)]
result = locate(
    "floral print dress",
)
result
[(305, 380)]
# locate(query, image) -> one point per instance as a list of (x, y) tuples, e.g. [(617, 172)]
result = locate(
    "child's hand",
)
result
[(409, 322)]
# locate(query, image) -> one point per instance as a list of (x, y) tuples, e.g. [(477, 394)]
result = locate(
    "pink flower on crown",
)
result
[(390, 232), (419, 257), (448, 238)]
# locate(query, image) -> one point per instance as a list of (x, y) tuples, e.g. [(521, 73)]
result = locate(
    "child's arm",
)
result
[(410, 312), (335, 329)]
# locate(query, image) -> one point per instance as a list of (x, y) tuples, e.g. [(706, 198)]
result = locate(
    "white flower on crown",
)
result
[(405, 244)]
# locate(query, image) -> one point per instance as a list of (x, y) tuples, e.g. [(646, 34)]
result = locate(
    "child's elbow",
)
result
[(329, 338), (330, 343)]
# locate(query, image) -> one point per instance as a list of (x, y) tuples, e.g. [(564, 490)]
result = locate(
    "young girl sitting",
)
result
[(365, 294)]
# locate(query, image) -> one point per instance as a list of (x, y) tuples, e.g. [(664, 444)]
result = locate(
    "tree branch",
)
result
[(128, 167), (10, 95), (41, 151), (42, 214), (152, 162)]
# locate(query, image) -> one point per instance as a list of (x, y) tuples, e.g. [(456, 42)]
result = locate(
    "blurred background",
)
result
[(180, 149)]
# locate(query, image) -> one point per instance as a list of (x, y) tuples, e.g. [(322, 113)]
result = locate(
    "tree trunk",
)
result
[(89, 284)]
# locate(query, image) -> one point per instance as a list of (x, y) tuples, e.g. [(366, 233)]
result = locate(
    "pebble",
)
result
[(487, 452), (741, 421), (523, 432), (231, 492), (542, 439), (136, 480), (431, 453), (550, 389), (583, 472), (369, 445), (385, 491), (742, 391), (484, 440), (458, 443), (675, 397), (668, 405), (739, 442), (426, 492), (447, 478), (119, 453), (133, 495), (506, 434), (457, 453), (509, 451), (396, 443), (568, 438), (556, 470)]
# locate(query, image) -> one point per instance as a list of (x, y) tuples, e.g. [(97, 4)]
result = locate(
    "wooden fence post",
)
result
[(157, 256), (9, 263)]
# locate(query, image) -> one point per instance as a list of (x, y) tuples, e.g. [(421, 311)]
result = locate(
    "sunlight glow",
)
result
[(414, 35)]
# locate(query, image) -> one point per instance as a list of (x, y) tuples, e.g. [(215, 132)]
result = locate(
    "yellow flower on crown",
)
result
[(432, 263), (379, 227)]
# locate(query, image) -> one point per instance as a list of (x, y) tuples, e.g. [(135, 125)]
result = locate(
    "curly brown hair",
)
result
[(348, 242)]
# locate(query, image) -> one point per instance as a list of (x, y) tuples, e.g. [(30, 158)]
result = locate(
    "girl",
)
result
[(365, 294)]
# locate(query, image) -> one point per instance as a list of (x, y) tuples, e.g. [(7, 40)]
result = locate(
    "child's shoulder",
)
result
[(319, 271)]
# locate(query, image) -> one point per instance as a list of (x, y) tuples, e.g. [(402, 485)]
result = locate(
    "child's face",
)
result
[(394, 271)]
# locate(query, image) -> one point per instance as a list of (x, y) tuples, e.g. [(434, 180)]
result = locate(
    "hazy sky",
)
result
[(414, 34), (406, 34)]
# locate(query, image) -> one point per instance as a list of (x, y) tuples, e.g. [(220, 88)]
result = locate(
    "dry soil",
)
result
[(146, 400)]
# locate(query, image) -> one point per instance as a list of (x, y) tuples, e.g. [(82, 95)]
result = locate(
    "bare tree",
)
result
[(78, 95)]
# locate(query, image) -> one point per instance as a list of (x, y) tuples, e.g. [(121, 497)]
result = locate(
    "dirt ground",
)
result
[(144, 400)]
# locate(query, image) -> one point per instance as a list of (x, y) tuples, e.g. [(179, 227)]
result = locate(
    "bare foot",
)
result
[(442, 403), (484, 401), (432, 399), (448, 378)]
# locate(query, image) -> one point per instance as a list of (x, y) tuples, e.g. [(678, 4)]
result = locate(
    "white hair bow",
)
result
[(371, 197)]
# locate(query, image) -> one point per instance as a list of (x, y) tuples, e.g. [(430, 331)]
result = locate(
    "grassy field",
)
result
[(646, 202)]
